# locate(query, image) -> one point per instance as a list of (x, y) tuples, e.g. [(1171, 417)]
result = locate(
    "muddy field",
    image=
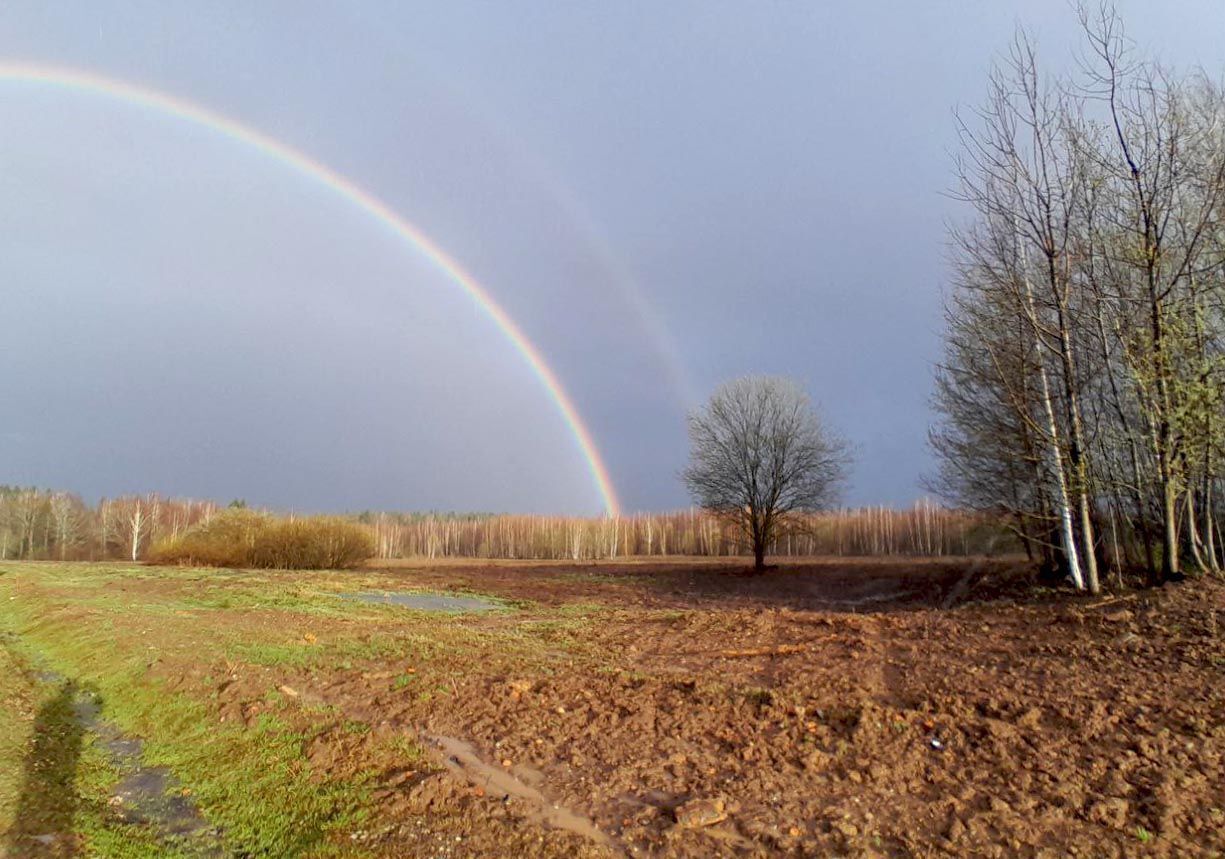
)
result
[(826, 708)]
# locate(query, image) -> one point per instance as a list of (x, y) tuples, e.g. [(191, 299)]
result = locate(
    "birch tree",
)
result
[(1083, 384), (134, 521)]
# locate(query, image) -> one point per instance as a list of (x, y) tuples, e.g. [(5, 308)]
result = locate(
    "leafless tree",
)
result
[(1160, 153), (1083, 387), (759, 455), (135, 521), (68, 518)]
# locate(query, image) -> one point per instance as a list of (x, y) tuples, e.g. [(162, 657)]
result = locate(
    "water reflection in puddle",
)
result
[(449, 603)]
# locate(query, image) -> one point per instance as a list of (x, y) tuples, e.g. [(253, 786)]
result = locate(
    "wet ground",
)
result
[(422, 601), (79, 765), (147, 796)]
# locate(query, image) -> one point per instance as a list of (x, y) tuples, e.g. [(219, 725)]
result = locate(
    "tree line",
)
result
[(47, 524), (926, 529), (1083, 380), (51, 525)]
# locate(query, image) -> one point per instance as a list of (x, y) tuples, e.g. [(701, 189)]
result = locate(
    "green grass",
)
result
[(262, 796), (270, 654), (254, 782), (16, 717)]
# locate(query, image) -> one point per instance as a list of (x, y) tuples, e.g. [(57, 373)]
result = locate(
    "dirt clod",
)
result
[(1112, 812), (697, 813)]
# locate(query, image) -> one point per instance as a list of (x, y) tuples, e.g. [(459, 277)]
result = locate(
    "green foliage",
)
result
[(245, 538)]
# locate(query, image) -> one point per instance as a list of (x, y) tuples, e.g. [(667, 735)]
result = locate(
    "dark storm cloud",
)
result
[(184, 314)]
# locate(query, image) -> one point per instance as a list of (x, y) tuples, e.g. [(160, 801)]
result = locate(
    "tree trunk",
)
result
[(1077, 451), (1193, 537), (1169, 547), (1209, 539)]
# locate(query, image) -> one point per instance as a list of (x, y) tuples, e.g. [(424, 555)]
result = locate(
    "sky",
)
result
[(661, 196)]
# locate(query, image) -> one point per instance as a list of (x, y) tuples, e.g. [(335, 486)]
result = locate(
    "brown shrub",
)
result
[(313, 543), (245, 538)]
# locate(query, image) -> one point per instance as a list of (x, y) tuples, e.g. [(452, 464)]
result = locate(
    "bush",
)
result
[(314, 543), (244, 538)]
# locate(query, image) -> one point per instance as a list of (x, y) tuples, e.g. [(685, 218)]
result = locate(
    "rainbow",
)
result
[(88, 82)]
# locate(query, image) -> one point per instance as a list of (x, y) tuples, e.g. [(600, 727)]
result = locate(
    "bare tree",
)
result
[(1162, 159), (760, 454), (1027, 187), (1083, 384), (69, 518), (135, 522)]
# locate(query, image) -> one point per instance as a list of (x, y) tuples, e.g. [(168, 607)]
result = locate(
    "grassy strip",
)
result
[(120, 628), (253, 782), (54, 781), (18, 705)]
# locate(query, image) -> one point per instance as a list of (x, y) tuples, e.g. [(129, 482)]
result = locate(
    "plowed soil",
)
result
[(825, 708)]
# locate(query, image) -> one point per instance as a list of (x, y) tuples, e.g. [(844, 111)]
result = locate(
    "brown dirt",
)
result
[(824, 708), (700, 583)]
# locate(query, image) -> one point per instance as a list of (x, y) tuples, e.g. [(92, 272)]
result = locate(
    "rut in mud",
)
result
[(461, 759)]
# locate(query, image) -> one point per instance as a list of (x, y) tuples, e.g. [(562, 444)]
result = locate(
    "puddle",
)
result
[(449, 603), (461, 759), (144, 795)]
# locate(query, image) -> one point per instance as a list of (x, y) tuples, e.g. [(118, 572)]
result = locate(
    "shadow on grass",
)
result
[(48, 802)]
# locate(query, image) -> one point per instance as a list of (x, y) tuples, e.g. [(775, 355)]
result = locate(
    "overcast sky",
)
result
[(662, 195)]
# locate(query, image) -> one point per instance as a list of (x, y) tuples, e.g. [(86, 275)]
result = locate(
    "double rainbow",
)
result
[(88, 82)]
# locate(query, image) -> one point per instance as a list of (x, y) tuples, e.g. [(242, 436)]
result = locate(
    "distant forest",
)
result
[(42, 524)]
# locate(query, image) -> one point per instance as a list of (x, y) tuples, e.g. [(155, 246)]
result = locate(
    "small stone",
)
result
[(1120, 616), (794, 832), (849, 830), (288, 691), (506, 762), (1030, 718), (701, 812)]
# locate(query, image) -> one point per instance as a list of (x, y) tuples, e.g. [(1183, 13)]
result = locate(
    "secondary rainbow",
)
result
[(89, 82)]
